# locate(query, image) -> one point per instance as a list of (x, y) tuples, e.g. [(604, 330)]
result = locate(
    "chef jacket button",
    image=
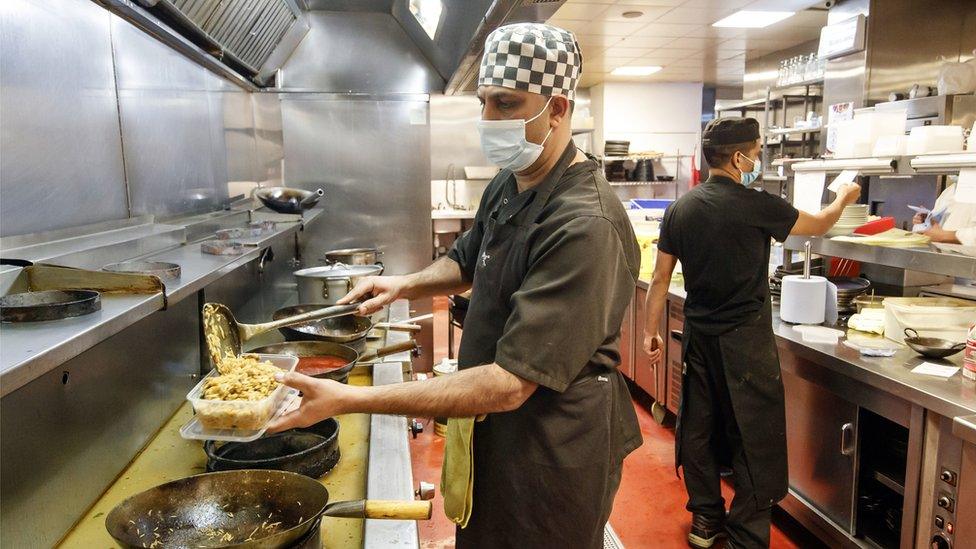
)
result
[(504, 201)]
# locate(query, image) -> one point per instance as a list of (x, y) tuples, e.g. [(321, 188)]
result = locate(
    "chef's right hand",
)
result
[(381, 291), (654, 347), (849, 193)]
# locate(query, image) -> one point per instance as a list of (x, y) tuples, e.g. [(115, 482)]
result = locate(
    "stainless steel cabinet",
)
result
[(821, 443)]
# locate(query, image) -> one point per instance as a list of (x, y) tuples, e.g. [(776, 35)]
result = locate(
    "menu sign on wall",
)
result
[(842, 38)]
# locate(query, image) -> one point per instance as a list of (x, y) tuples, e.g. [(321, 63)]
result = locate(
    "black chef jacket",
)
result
[(720, 231), (553, 269)]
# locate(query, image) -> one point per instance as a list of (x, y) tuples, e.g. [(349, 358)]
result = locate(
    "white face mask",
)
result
[(505, 145)]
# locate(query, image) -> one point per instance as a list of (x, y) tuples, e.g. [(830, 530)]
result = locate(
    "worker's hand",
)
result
[(848, 193), (654, 347), (381, 291), (938, 234), (321, 399)]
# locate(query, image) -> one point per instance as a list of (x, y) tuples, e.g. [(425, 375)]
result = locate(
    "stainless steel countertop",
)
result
[(947, 397), (390, 474), (30, 350)]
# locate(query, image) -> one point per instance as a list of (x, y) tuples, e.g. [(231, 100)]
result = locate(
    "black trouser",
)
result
[(710, 438)]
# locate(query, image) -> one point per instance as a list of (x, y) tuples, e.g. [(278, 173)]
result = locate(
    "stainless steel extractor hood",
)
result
[(252, 37), (464, 77)]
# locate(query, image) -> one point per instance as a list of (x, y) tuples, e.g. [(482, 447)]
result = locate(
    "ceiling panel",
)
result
[(677, 35)]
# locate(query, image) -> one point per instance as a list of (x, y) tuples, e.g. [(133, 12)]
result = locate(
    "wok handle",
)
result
[(399, 327), (910, 332), (409, 345), (380, 509)]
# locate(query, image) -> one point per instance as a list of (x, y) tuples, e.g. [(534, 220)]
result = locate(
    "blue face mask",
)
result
[(748, 178), (505, 145)]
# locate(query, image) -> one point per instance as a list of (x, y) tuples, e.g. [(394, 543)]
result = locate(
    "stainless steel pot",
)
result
[(328, 284), (354, 256)]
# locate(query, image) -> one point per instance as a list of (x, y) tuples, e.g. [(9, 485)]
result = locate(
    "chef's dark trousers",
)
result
[(710, 437)]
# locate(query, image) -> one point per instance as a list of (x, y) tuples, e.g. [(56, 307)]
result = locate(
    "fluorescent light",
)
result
[(635, 71), (747, 19), (428, 14)]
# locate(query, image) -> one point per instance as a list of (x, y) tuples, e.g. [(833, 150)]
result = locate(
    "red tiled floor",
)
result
[(649, 508)]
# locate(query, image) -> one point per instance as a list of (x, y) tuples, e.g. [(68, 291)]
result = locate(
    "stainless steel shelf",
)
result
[(640, 183), (865, 166), (632, 157), (928, 259), (943, 163), (790, 131)]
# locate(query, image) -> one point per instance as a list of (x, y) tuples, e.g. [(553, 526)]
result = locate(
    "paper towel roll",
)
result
[(803, 300)]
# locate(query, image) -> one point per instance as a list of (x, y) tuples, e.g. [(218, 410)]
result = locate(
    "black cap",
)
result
[(730, 131)]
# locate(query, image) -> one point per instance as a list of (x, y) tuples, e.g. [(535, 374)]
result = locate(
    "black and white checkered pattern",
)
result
[(533, 57)]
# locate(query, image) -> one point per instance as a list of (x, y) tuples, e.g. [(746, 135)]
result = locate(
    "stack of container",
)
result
[(969, 362)]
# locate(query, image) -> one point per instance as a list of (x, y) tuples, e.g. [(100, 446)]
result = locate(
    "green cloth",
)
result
[(457, 474)]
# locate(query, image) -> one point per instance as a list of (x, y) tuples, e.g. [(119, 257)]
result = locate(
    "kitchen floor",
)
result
[(640, 519)]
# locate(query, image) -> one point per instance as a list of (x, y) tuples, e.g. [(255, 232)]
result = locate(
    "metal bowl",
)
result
[(287, 200)]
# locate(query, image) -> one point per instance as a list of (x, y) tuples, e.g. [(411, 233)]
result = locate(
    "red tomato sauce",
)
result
[(315, 365)]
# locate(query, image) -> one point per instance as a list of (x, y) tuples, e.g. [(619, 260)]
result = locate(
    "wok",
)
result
[(286, 200), (328, 348), (247, 509), (48, 305), (311, 451), (931, 347), (349, 329)]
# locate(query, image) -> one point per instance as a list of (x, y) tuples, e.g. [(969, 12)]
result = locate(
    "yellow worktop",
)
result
[(169, 457)]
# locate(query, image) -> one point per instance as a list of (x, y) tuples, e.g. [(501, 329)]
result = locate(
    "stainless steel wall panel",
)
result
[(372, 159), (268, 138), (173, 155), (359, 52), (60, 149), (68, 434)]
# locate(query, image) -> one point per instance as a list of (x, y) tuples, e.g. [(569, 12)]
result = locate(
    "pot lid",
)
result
[(347, 251), (339, 270)]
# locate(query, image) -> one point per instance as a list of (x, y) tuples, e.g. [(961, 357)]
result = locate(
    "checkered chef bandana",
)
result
[(533, 57)]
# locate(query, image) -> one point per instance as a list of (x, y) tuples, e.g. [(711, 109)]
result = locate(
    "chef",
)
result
[(952, 221), (732, 410), (552, 262)]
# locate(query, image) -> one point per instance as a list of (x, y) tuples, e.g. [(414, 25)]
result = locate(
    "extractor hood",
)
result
[(456, 48), (246, 35)]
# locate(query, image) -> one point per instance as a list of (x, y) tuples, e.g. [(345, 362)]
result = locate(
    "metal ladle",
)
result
[(225, 336)]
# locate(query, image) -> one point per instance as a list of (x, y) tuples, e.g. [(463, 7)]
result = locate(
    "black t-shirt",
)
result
[(720, 232)]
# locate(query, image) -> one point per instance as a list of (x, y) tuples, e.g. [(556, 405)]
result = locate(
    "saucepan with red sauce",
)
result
[(328, 360)]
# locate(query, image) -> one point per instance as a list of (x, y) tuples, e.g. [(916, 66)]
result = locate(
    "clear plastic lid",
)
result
[(238, 420)]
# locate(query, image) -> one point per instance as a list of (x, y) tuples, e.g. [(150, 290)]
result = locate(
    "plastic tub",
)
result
[(941, 317), (237, 419)]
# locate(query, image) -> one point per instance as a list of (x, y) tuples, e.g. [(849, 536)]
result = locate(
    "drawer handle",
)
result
[(677, 335), (847, 439)]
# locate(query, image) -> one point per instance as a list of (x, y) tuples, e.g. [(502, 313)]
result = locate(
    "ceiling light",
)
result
[(747, 19), (632, 14), (635, 71), (428, 14)]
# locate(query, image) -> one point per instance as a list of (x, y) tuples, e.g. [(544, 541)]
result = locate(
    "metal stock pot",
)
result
[(354, 256), (328, 284)]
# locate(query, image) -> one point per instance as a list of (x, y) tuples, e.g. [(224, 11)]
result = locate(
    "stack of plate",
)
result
[(848, 289), (853, 217), (616, 148)]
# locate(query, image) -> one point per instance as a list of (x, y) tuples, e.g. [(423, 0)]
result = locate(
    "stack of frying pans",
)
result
[(616, 148), (848, 289)]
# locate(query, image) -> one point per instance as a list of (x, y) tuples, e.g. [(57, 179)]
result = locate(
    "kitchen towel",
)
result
[(457, 474)]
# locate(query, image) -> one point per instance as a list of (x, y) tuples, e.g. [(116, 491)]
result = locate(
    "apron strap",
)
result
[(552, 180)]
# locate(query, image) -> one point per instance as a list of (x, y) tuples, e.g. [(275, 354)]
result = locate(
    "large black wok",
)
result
[(249, 509), (327, 348)]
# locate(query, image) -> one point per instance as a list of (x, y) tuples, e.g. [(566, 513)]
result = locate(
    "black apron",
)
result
[(539, 480), (752, 370)]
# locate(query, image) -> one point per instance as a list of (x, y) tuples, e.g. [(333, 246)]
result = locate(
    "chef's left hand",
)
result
[(321, 400), (653, 347)]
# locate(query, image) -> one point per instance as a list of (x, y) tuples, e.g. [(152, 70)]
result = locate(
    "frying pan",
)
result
[(237, 509), (329, 348), (931, 347), (48, 305)]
